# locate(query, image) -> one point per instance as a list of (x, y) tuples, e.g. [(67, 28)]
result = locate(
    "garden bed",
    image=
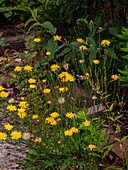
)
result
[(16, 39)]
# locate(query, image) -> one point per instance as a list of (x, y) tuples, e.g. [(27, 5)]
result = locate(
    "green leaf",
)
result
[(113, 31), (101, 136), (97, 19), (64, 52), (33, 12), (123, 72), (113, 168), (118, 117), (74, 45), (35, 24), (29, 20), (13, 80), (125, 57), (33, 152), (91, 41), (48, 25), (95, 155), (124, 138), (124, 49), (81, 115), (52, 47), (109, 110), (118, 130), (118, 140)]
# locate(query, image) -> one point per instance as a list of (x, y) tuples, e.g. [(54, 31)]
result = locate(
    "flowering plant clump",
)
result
[(49, 112)]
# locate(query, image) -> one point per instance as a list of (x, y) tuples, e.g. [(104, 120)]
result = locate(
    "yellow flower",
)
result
[(50, 120), (74, 130), (7, 126), (1, 88), (46, 91), (3, 136), (44, 80), (17, 68), (37, 140), (87, 123), (35, 117), (63, 89), (37, 40), (22, 98), (91, 147), (87, 74), (31, 80), (3, 94), (58, 120), (53, 123), (54, 67), (80, 40), (96, 61), (57, 38), (59, 141), (70, 115), (32, 86), (21, 110), (68, 133), (82, 47), (49, 102), (11, 108), (15, 135), (115, 77), (54, 114), (22, 114), (105, 42), (23, 104), (65, 77), (28, 68), (48, 53)]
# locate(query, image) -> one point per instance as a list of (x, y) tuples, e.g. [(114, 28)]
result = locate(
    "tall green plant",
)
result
[(124, 49)]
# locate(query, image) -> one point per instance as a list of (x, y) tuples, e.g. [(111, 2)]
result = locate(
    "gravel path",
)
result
[(10, 155)]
